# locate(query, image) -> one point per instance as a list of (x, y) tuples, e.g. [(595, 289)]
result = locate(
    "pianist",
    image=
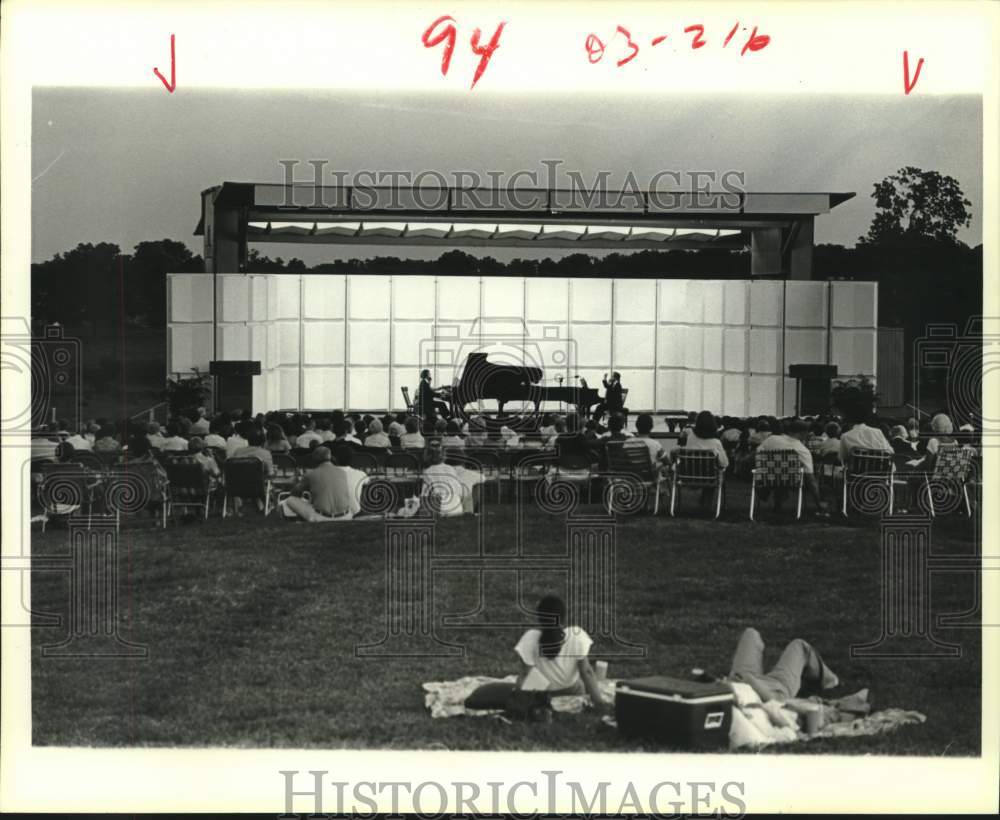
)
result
[(428, 399)]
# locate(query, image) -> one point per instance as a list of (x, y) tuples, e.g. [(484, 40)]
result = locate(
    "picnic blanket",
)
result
[(447, 698), (755, 723)]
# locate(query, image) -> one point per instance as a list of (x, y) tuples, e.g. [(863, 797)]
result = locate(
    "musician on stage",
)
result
[(614, 401), (429, 400)]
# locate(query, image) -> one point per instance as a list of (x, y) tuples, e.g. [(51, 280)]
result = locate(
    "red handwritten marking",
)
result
[(756, 42), (907, 85), (448, 33), (486, 52), (595, 48), (698, 41), (658, 40), (729, 36), (631, 45), (173, 70)]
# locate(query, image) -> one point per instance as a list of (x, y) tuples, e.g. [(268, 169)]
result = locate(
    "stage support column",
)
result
[(800, 253), (227, 240), (765, 252)]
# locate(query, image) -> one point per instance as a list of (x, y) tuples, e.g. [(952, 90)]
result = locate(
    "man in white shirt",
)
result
[(235, 442), (308, 436), (792, 435), (862, 436), (78, 441), (174, 440), (344, 432), (643, 427), (200, 426)]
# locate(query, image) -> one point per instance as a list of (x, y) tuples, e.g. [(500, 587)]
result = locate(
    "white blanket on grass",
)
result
[(755, 723)]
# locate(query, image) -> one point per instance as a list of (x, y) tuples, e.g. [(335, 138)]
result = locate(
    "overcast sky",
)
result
[(124, 166)]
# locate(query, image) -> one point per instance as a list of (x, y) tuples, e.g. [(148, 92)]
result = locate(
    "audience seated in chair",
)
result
[(376, 438), (412, 438), (791, 437)]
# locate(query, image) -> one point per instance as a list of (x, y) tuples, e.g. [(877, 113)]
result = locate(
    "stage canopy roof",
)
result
[(778, 227)]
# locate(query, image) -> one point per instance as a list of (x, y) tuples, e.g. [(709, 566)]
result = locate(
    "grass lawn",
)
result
[(251, 627)]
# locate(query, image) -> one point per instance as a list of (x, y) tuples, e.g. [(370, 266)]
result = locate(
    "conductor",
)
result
[(429, 400), (614, 401)]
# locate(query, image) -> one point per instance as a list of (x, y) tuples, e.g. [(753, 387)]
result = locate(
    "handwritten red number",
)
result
[(657, 40), (631, 45), (756, 42), (484, 52), (729, 36), (698, 41), (447, 33), (595, 48), (907, 85)]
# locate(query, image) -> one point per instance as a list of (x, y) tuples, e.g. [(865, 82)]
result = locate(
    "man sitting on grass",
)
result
[(334, 489)]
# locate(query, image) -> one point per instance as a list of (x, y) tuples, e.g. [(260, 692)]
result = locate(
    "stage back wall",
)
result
[(352, 341)]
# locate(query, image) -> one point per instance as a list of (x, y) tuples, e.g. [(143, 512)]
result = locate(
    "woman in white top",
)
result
[(554, 658), (705, 436)]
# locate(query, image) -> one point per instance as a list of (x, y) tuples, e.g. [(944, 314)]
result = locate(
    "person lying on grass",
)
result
[(800, 670), (554, 657)]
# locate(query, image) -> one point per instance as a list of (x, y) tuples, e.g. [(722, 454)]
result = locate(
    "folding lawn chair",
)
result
[(64, 489), (245, 478), (188, 485), (696, 468), (777, 470), (631, 464), (865, 473), (949, 477)]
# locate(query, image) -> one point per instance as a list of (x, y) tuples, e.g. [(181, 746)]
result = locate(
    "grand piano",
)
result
[(483, 379)]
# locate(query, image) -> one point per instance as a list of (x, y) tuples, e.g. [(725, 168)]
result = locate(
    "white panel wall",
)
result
[(335, 341)]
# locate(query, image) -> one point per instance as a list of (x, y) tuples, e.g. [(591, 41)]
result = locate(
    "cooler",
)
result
[(681, 713)]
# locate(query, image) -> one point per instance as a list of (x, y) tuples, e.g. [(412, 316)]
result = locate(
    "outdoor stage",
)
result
[(334, 341)]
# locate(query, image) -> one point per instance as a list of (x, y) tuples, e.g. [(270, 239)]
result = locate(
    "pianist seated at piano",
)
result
[(429, 399)]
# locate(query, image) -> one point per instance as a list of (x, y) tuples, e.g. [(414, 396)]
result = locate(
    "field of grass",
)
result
[(251, 627)]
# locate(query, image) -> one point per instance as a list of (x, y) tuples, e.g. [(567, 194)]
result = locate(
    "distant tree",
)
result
[(914, 204), (76, 285), (146, 278)]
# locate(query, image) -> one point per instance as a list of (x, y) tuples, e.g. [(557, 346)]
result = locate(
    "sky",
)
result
[(126, 165)]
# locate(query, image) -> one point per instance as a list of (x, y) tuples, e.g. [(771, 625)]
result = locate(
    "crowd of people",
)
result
[(332, 487)]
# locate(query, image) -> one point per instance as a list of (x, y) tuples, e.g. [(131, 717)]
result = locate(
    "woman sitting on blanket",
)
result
[(554, 657)]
